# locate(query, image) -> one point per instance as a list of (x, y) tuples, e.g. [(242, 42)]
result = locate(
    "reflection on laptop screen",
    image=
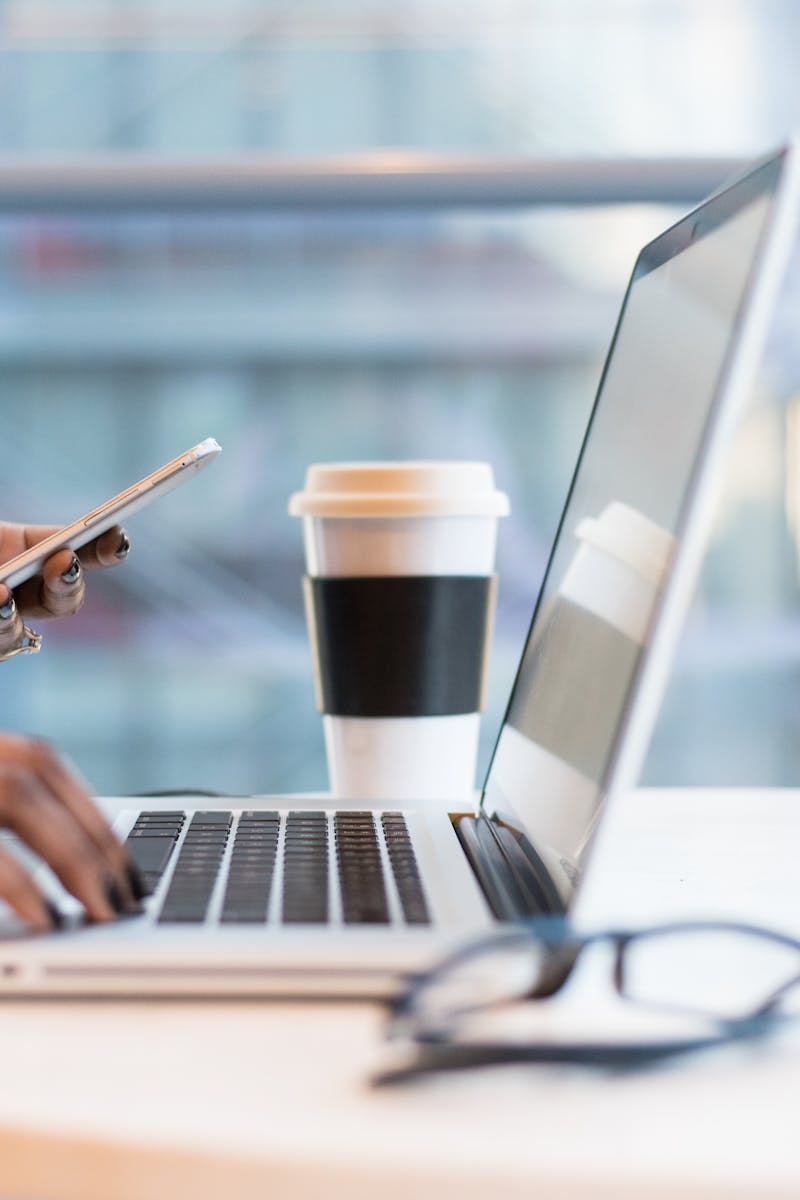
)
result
[(615, 545)]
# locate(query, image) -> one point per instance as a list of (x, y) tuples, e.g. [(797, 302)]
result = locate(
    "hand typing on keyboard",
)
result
[(50, 809)]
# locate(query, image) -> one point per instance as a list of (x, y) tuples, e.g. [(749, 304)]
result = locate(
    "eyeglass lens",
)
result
[(730, 973)]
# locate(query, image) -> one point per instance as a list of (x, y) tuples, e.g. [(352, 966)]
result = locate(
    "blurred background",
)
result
[(360, 229)]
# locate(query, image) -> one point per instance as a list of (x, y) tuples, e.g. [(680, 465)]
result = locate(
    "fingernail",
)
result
[(56, 917), (114, 896), (73, 571), (8, 609), (123, 549), (138, 886), (121, 904)]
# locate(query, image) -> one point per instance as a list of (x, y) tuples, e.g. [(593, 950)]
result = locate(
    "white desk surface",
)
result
[(112, 1099)]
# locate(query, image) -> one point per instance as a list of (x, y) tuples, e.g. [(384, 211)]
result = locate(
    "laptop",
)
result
[(305, 895)]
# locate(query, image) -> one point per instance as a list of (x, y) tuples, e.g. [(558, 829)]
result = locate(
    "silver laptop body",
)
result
[(305, 895)]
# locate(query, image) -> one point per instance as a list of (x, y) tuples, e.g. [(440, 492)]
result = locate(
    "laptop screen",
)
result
[(616, 541)]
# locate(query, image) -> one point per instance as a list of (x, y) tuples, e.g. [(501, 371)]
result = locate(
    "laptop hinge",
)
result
[(508, 877)]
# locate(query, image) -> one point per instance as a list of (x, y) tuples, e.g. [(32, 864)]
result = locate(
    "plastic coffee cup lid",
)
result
[(629, 536), (399, 489)]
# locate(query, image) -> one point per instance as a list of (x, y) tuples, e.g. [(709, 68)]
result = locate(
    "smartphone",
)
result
[(113, 512)]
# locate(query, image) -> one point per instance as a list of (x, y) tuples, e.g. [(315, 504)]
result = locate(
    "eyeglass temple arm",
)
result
[(454, 1056), (771, 1003)]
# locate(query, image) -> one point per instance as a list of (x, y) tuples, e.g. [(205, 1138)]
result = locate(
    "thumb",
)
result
[(11, 626)]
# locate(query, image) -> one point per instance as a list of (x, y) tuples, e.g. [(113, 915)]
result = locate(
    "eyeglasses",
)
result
[(736, 980)]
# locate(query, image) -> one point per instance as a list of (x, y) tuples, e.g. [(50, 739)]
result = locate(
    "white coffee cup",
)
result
[(418, 539)]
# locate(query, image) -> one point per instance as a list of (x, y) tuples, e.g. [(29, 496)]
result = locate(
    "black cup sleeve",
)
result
[(400, 645)]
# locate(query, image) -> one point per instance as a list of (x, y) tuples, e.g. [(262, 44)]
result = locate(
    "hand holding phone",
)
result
[(114, 511)]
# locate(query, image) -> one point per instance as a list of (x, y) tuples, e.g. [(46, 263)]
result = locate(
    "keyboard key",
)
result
[(163, 814), (150, 844), (151, 854)]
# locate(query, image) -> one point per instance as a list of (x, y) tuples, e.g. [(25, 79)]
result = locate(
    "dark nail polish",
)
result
[(123, 549), (114, 896), (56, 917), (137, 884), (73, 571), (122, 906), (8, 609)]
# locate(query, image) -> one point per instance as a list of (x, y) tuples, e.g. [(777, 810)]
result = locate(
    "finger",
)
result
[(69, 789), (109, 550), (18, 889), (11, 624), (27, 808), (58, 592)]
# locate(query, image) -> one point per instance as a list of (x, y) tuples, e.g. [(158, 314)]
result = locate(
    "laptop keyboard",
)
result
[(296, 868)]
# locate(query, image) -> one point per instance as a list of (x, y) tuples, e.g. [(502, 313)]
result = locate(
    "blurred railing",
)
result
[(387, 180)]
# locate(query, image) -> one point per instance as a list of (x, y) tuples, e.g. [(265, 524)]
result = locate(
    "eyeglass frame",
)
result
[(437, 1051)]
